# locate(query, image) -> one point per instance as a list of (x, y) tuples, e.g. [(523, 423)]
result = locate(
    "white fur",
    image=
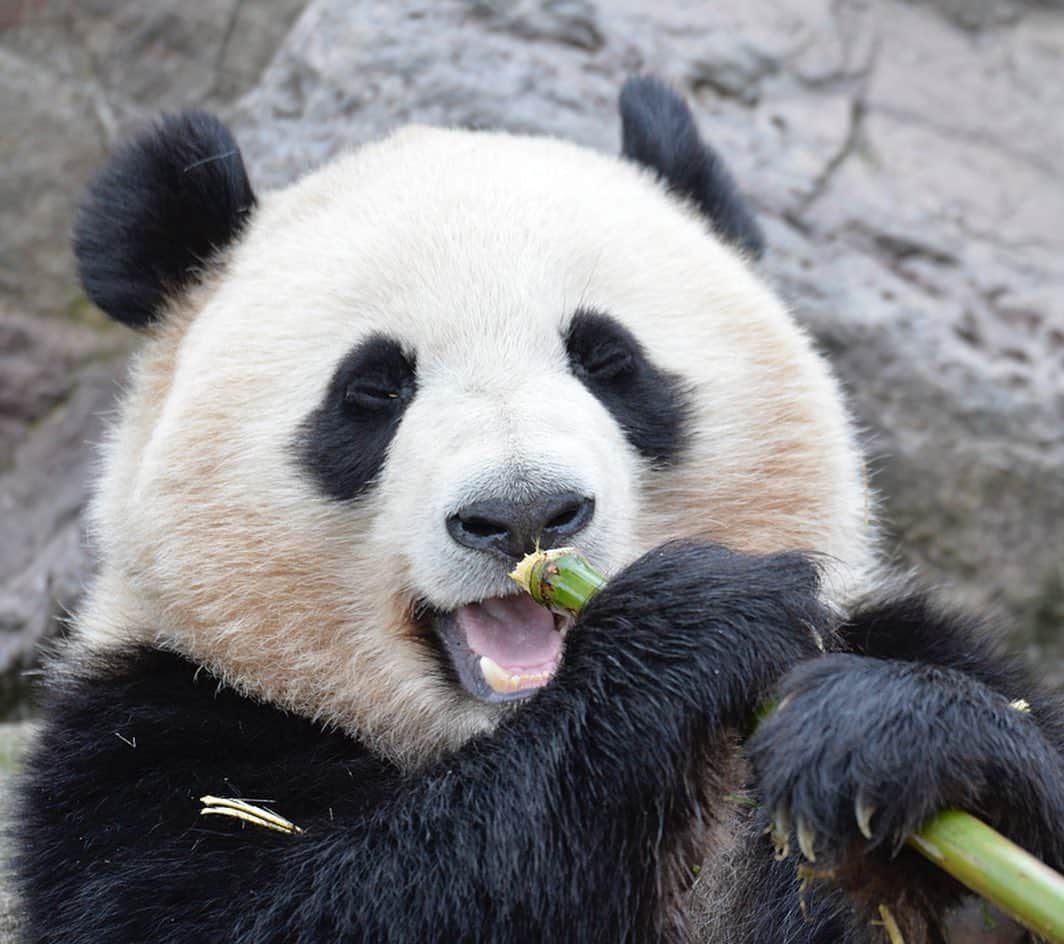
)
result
[(473, 249)]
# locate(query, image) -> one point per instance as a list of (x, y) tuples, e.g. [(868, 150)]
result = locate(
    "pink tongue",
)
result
[(516, 632)]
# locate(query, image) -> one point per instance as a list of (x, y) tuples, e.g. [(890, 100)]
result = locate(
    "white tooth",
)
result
[(495, 675), (502, 682)]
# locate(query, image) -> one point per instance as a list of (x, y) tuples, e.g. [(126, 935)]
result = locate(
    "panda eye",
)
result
[(650, 405), (377, 395), (607, 361), (376, 378), (599, 349)]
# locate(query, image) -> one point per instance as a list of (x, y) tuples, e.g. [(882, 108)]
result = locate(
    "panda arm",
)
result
[(921, 714), (567, 823)]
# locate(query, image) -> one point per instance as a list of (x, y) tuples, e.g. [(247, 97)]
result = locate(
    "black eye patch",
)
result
[(648, 403), (344, 442)]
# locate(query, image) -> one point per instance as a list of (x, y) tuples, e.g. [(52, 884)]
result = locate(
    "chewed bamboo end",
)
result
[(528, 573)]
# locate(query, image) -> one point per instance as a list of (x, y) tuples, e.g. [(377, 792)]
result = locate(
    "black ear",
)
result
[(658, 131), (166, 203)]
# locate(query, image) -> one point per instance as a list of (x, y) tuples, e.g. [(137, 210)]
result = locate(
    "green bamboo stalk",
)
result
[(996, 868), (977, 856), (560, 579)]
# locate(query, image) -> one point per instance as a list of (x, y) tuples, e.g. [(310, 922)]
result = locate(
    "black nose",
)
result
[(512, 528)]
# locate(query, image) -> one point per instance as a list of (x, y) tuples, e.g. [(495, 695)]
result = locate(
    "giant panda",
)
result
[(360, 400)]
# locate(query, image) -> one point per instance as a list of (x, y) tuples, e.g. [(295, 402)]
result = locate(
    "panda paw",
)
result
[(861, 752), (705, 620)]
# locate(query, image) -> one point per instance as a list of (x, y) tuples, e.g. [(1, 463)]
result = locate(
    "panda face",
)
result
[(414, 364), (486, 426), (467, 465), (485, 462)]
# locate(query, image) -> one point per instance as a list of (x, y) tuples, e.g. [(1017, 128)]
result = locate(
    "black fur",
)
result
[(649, 404), (658, 131), (578, 818), (575, 821), (344, 442), (165, 204), (917, 718)]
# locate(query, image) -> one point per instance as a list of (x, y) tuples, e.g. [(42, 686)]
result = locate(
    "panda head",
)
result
[(362, 398)]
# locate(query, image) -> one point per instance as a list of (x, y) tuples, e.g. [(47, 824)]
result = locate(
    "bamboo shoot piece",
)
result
[(992, 866)]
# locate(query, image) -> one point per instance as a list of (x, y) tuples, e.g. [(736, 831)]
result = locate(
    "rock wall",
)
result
[(903, 156), (13, 738)]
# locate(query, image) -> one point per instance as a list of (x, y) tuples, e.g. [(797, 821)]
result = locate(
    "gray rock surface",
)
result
[(903, 156), (900, 155), (56, 381), (76, 76), (9, 922), (13, 740)]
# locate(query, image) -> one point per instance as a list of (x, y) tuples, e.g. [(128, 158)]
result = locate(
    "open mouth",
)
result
[(504, 648)]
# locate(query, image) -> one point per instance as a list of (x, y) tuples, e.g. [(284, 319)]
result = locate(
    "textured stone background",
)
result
[(904, 156)]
